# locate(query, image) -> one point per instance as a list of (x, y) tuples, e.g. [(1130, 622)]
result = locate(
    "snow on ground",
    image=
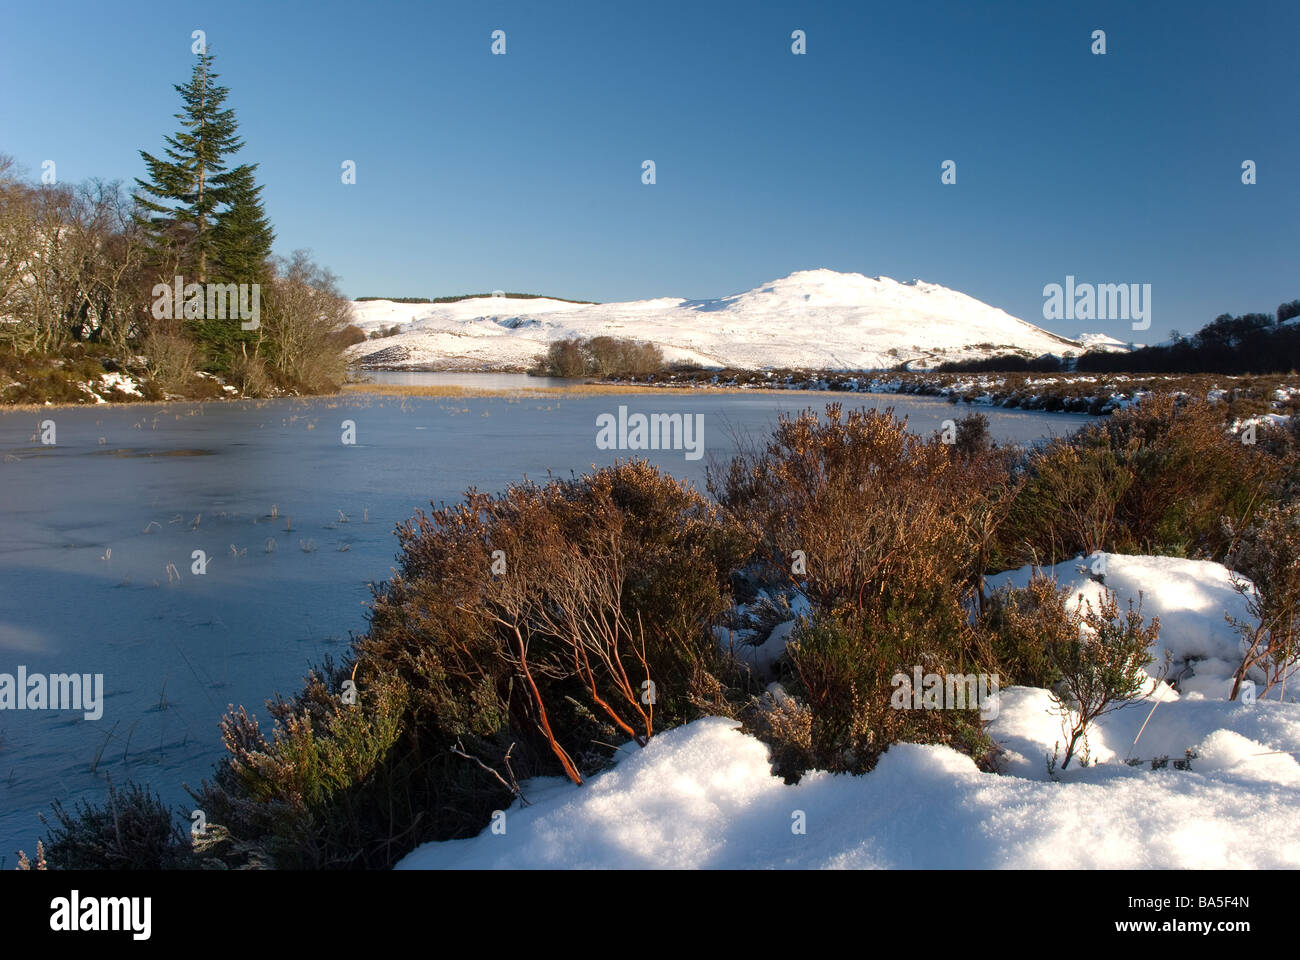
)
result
[(815, 319), (762, 653), (703, 795), (1101, 341), (122, 382), (1280, 420), (1191, 597)]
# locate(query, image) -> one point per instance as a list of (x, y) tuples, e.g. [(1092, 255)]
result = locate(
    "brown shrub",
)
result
[(1268, 553), (601, 583), (1159, 477), (892, 529), (172, 359)]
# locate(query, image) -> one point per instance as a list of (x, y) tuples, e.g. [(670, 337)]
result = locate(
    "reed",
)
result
[(94, 764)]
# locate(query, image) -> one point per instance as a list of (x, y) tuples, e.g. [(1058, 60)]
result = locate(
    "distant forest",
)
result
[(1253, 343)]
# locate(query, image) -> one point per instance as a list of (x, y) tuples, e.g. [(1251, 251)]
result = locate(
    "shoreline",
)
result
[(1097, 395)]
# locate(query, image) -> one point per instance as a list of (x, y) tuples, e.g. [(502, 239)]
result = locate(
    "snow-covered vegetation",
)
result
[(1178, 778)]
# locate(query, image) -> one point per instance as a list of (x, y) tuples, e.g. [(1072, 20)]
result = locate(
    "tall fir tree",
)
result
[(184, 190), (205, 220), (241, 248)]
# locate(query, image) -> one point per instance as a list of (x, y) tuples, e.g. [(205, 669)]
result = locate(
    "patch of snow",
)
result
[(122, 382), (1191, 598), (703, 796), (1103, 343)]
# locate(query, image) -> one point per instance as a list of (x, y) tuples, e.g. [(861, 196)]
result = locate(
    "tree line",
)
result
[(1250, 343), (1253, 343), (97, 263)]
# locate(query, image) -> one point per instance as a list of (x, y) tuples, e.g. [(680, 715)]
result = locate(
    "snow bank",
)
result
[(1191, 597), (703, 796)]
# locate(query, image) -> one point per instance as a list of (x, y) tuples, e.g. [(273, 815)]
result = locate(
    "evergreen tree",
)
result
[(204, 218), (242, 235), (185, 188), (241, 247)]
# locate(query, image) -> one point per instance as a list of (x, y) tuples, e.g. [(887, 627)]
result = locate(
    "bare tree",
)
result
[(305, 312)]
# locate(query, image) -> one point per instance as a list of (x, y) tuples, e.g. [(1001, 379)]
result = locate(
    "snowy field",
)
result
[(812, 319), (703, 795)]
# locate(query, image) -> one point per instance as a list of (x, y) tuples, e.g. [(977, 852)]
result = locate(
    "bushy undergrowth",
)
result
[(134, 830), (1155, 478), (542, 625), (1268, 556), (1022, 626), (885, 530)]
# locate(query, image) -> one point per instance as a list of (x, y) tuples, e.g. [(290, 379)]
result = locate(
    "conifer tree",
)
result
[(242, 236), (186, 187), (241, 248), (205, 219)]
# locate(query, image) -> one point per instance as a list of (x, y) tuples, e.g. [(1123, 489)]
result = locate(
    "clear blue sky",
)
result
[(523, 172)]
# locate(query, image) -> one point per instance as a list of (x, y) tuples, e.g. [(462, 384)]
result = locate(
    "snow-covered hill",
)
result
[(813, 319), (1102, 341)]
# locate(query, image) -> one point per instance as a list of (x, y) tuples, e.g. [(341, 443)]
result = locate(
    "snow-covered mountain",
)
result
[(812, 319), (1102, 341)]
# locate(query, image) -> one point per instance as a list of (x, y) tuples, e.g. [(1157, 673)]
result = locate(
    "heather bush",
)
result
[(1158, 478), (843, 669), (1069, 502), (1022, 626), (543, 625), (1101, 665), (786, 726), (1268, 554), (881, 515), (134, 830), (890, 528)]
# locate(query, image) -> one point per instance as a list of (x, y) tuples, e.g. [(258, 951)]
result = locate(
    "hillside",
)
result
[(816, 319)]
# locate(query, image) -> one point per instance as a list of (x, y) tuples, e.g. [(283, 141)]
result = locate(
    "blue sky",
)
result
[(523, 172)]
